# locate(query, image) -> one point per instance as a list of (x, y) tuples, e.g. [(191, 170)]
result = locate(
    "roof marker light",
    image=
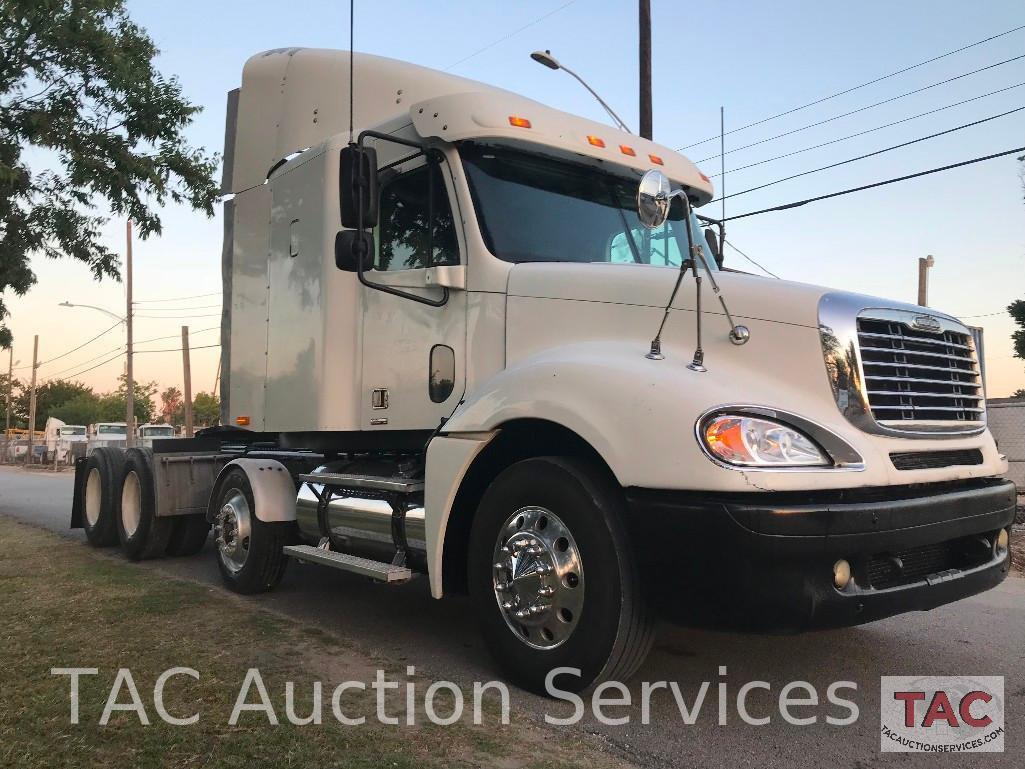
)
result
[(627, 150), (595, 141), (519, 122), (656, 160), (704, 177), (242, 420)]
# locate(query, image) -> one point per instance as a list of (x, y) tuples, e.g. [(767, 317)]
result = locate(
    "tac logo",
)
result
[(942, 714)]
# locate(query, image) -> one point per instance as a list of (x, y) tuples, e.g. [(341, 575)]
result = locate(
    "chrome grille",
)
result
[(914, 375)]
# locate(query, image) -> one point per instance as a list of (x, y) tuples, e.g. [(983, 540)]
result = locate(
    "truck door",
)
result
[(413, 353)]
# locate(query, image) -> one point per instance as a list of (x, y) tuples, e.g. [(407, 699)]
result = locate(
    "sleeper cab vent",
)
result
[(928, 460)]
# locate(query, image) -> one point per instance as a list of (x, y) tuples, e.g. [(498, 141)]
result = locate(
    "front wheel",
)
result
[(553, 577), (249, 551)]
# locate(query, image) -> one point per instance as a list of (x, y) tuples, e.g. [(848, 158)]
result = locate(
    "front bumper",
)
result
[(764, 561)]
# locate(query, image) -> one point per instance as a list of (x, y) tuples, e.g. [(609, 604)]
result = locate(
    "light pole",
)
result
[(644, 68), (11, 362), (546, 58), (130, 388)]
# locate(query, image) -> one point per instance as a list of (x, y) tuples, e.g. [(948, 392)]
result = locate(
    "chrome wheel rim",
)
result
[(131, 503), (233, 530), (93, 497), (538, 577)]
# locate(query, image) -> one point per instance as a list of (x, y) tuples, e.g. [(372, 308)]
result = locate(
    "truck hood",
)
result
[(747, 296), (750, 297)]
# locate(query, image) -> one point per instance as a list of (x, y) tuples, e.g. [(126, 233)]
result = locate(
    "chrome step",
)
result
[(344, 481), (379, 570)]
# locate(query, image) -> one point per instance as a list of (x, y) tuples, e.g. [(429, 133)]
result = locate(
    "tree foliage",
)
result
[(1017, 312), (79, 95)]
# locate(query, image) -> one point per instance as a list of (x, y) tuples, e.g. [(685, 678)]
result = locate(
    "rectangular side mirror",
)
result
[(350, 247), (358, 173)]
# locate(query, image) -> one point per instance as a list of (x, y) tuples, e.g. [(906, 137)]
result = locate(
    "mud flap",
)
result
[(79, 493)]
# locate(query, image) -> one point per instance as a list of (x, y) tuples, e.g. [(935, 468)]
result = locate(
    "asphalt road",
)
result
[(983, 635)]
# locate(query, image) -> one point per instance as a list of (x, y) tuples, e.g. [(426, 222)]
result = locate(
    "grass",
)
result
[(64, 605)]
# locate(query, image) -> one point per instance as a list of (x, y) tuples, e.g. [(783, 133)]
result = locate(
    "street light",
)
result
[(546, 58), (129, 382), (118, 318)]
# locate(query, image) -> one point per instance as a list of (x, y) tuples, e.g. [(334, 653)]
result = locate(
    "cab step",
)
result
[(378, 570)]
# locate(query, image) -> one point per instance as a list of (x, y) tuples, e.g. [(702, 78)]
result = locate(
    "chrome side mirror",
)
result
[(653, 198)]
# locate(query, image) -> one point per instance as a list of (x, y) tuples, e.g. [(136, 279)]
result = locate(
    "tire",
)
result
[(188, 535), (143, 535), (249, 551), (596, 619), (102, 483)]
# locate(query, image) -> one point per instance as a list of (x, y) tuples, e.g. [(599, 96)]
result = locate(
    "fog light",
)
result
[(841, 574), (1003, 538)]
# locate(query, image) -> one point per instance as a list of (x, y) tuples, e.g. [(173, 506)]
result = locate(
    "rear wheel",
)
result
[(188, 535), (103, 473), (553, 578), (143, 535), (249, 551)]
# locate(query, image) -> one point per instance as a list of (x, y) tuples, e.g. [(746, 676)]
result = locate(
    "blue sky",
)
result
[(754, 58)]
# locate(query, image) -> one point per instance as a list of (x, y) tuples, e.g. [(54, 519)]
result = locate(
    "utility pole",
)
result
[(32, 400), (187, 368), (644, 48), (923, 279), (129, 380), (10, 387)]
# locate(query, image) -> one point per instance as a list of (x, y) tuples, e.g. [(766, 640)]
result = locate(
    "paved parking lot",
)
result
[(984, 635)]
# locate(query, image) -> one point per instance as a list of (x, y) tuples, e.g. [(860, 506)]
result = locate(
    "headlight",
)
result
[(755, 442)]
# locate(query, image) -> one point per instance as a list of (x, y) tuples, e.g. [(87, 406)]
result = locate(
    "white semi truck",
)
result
[(488, 342)]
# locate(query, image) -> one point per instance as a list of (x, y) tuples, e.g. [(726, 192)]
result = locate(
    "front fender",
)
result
[(274, 491)]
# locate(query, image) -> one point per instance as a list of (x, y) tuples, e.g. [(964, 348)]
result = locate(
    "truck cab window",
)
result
[(533, 208), (417, 229)]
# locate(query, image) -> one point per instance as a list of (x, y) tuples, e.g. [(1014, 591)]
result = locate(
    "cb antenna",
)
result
[(352, 66)]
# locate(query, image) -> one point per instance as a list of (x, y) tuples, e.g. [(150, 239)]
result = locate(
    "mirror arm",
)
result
[(443, 299)]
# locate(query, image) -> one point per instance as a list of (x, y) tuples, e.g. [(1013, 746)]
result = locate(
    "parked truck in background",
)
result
[(62, 441), (440, 361), (107, 435), (147, 433)]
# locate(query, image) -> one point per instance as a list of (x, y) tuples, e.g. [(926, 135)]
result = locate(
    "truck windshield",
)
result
[(532, 208), (72, 431), (110, 430)]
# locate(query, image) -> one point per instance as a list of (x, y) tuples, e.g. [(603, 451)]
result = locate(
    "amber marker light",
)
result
[(656, 160), (242, 421), (519, 122), (595, 141)]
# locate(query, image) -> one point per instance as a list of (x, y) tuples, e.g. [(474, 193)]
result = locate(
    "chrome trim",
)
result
[(845, 368), (845, 457)]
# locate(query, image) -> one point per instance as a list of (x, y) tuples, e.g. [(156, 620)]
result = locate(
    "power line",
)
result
[(857, 87), (173, 317), (180, 309), (178, 349), (756, 264), (871, 130), (984, 315), (87, 361), (176, 298), (867, 107), (74, 349), (872, 154), (515, 32), (102, 363), (799, 203), (178, 336)]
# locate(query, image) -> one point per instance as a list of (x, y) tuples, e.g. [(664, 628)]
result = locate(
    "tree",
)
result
[(82, 409), (1016, 309), (18, 418), (80, 96), (1019, 393), (206, 409), (170, 402), (112, 406), (50, 396)]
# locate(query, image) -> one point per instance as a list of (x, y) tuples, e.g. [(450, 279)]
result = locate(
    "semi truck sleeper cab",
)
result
[(440, 363)]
